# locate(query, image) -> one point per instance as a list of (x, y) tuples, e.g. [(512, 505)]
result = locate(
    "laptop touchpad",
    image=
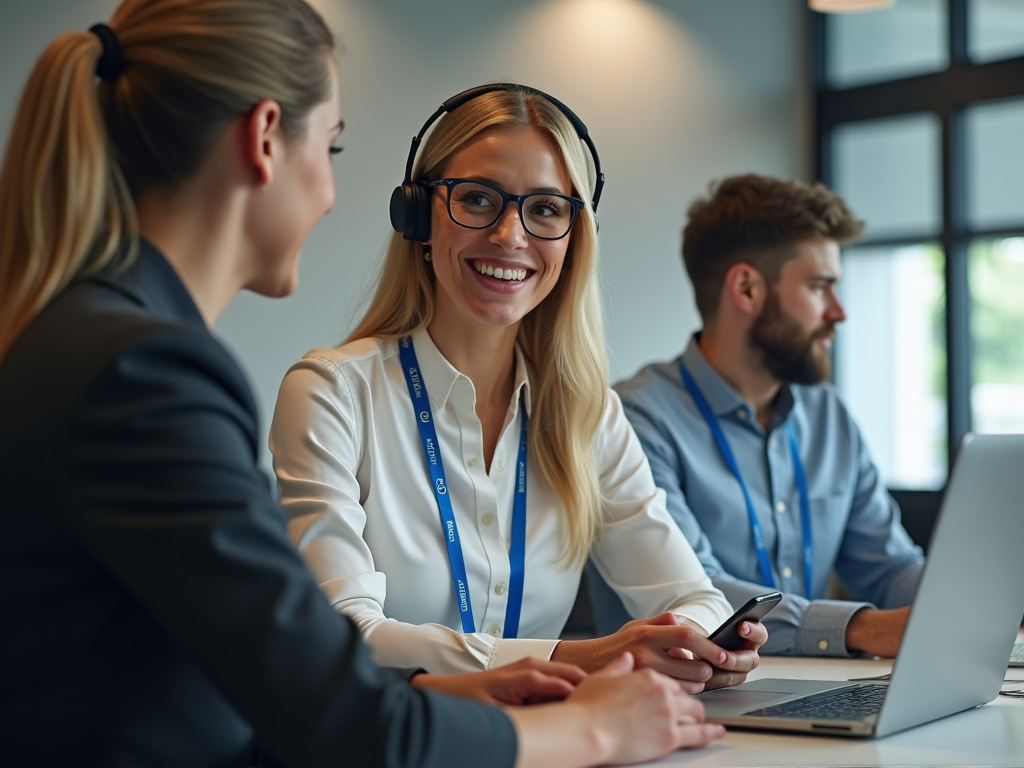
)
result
[(777, 685), (761, 693), (732, 701), (738, 698)]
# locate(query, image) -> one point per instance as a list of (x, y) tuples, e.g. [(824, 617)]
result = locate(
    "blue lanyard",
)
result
[(755, 526), (432, 453)]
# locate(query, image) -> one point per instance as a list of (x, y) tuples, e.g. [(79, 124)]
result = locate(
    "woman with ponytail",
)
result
[(154, 611)]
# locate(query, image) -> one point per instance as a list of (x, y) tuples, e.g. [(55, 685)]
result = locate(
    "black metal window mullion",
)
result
[(955, 245)]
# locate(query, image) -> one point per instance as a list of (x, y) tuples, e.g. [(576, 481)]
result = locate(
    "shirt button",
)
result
[(787, 572), (495, 630), (488, 519), (471, 463), (500, 465), (781, 506), (823, 645), (500, 588), (741, 413), (773, 444)]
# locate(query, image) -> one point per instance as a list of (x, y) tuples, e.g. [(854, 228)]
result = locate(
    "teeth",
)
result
[(500, 274)]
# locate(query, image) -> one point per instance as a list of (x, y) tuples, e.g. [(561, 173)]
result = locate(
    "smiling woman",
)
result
[(474, 391)]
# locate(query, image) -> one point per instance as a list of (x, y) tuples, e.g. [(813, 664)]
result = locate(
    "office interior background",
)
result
[(914, 113)]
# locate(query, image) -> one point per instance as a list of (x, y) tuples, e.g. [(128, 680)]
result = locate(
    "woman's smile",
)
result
[(498, 275)]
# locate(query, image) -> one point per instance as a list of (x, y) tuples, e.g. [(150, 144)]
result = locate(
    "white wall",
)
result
[(675, 93)]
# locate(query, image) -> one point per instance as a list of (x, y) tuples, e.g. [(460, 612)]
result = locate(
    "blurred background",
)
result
[(914, 112)]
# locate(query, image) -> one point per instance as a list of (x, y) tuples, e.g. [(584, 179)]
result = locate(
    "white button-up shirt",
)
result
[(361, 509)]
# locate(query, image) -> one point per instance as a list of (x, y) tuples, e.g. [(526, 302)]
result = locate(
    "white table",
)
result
[(992, 735)]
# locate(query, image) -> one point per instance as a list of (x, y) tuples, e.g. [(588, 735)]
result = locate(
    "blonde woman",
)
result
[(448, 469), (154, 610)]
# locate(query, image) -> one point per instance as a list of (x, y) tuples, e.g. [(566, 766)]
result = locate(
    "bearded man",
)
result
[(764, 469)]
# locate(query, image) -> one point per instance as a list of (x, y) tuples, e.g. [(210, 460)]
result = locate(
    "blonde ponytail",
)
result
[(64, 206)]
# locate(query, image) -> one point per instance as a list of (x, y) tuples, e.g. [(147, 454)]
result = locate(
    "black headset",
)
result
[(410, 202)]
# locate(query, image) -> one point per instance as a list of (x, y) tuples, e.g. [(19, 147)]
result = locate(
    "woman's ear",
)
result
[(263, 139)]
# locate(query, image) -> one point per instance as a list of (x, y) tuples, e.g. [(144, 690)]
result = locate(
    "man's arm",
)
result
[(877, 561)]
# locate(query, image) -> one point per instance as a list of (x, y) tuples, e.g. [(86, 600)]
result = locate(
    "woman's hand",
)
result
[(617, 715), (667, 644), (734, 670), (528, 681)]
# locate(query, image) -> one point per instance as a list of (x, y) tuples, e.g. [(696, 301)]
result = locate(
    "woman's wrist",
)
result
[(571, 652), (569, 733), (588, 655)]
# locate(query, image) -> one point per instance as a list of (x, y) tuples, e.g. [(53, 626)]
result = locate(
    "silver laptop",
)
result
[(961, 627)]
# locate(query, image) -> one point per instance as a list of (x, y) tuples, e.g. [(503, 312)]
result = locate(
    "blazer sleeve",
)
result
[(167, 495)]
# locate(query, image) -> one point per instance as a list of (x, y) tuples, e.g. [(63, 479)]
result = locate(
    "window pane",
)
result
[(891, 360), (995, 164), (996, 275), (888, 171), (996, 29), (906, 39)]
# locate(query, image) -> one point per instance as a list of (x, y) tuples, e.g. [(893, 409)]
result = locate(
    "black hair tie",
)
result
[(111, 63)]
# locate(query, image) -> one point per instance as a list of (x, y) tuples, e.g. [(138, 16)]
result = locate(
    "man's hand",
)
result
[(667, 644), (877, 632), (527, 681)]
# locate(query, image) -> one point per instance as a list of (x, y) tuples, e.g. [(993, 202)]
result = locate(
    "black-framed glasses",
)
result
[(478, 205)]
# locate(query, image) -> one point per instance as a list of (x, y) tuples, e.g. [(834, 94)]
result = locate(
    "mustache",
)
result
[(828, 332)]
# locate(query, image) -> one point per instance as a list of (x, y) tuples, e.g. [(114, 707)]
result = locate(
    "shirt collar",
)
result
[(444, 380), (722, 398)]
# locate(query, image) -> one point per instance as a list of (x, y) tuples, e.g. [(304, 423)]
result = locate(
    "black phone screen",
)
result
[(727, 636)]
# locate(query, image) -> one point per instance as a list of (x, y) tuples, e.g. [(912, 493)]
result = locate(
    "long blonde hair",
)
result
[(563, 338), (79, 150)]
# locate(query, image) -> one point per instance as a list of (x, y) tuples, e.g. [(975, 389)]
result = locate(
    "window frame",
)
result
[(948, 94)]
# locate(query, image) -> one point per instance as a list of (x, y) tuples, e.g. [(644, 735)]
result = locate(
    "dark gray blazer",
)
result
[(152, 610)]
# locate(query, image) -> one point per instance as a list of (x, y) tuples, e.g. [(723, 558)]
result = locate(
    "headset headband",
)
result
[(459, 99)]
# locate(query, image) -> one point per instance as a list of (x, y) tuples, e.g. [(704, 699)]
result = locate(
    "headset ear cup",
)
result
[(420, 203), (398, 209), (410, 211)]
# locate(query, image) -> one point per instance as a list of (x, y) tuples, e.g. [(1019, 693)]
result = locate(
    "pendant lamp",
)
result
[(848, 6)]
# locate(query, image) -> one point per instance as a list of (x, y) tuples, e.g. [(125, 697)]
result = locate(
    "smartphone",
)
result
[(727, 636)]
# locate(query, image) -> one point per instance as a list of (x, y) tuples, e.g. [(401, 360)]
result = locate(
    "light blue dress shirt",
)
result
[(855, 523)]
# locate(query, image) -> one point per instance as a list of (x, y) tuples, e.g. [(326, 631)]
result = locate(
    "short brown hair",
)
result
[(756, 219)]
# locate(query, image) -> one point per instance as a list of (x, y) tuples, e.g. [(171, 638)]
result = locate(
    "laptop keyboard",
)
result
[(853, 703), (1017, 654)]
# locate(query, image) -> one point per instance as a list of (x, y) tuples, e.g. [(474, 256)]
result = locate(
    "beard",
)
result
[(785, 349)]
